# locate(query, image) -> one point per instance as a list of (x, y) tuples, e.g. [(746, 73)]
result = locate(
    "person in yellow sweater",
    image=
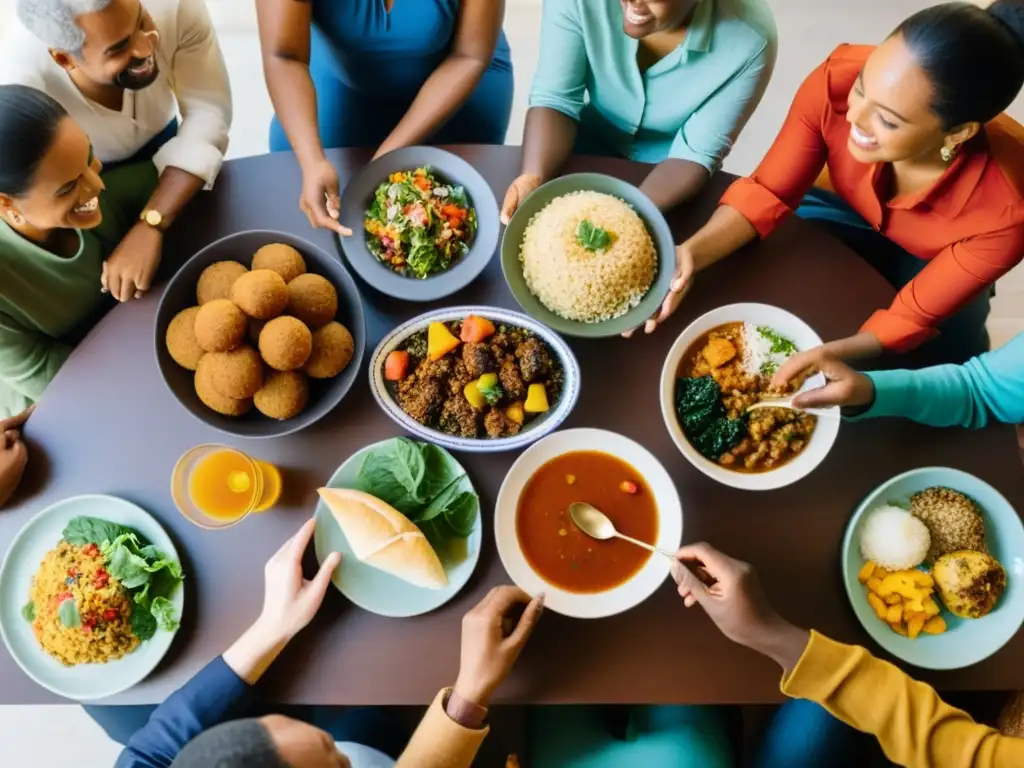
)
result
[(912, 724), (200, 725)]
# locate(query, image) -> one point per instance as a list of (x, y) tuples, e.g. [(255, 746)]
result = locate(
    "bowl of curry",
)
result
[(543, 550), (721, 365)]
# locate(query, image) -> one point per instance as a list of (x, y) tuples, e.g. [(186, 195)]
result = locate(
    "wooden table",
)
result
[(108, 425)]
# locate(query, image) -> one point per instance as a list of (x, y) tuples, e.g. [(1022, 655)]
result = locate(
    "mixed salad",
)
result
[(419, 225)]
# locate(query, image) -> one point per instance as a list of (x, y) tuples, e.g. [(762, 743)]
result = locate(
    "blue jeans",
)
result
[(804, 735), (962, 336), (369, 726)]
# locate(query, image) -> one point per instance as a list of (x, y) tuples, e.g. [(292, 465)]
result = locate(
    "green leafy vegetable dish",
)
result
[(424, 483), (722, 374), (419, 225), (101, 592)]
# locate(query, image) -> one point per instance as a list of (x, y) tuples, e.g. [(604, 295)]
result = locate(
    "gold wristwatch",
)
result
[(153, 218)]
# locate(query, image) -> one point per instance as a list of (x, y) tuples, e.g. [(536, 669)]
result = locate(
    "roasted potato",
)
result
[(970, 583)]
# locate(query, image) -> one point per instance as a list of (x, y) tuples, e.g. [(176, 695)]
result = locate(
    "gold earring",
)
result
[(947, 153), (16, 218)]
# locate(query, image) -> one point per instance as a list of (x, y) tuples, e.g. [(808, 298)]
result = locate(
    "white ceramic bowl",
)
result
[(790, 326), (645, 581), (536, 429)]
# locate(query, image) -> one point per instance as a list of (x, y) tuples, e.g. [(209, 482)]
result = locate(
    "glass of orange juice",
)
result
[(215, 486)]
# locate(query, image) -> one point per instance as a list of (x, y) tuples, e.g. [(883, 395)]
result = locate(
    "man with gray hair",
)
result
[(125, 70)]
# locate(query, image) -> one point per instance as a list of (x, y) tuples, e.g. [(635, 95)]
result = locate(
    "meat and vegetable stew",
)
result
[(562, 554), (722, 374), (473, 379)]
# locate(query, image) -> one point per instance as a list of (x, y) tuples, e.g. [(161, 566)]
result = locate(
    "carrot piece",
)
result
[(396, 366), (475, 329)]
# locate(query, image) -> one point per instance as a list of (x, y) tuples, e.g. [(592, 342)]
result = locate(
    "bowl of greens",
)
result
[(424, 223), (721, 365), (426, 484), (90, 596)]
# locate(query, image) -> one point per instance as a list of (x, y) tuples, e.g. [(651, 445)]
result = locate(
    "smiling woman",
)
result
[(922, 176), (54, 234)]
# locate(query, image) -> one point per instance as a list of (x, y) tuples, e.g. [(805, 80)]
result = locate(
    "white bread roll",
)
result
[(384, 538)]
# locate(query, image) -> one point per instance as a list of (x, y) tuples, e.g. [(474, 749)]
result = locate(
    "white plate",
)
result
[(41, 534), (804, 337), (536, 429), (645, 581), (371, 588)]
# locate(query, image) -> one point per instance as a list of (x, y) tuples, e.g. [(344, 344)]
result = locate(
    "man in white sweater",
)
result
[(125, 71)]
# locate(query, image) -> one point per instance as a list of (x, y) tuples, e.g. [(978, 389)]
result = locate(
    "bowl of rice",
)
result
[(588, 255)]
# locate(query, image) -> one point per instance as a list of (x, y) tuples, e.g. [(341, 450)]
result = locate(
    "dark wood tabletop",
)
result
[(107, 424)]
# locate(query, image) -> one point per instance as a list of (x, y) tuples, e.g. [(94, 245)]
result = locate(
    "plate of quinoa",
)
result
[(90, 596)]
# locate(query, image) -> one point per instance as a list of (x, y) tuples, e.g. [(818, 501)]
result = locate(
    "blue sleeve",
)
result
[(213, 696), (709, 133), (560, 82), (990, 386)]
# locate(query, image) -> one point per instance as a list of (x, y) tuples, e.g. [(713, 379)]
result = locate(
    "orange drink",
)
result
[(215, 486)]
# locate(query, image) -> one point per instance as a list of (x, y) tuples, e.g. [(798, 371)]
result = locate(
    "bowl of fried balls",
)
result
[(260, 334)]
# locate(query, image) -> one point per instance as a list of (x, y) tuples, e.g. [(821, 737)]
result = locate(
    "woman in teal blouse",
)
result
[(658, 81)]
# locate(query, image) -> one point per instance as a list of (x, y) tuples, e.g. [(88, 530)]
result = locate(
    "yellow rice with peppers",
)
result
[(102, 608)]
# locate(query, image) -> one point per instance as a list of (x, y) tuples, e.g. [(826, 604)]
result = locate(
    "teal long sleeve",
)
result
[(990, 386)]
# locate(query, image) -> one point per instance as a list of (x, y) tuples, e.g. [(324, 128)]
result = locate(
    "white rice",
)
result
[(894, 538), (757, 352)]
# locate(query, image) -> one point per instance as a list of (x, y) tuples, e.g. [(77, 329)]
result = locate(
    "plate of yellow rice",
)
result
[(90, 596)]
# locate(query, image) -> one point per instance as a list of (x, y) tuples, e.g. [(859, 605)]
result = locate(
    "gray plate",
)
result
[(597, 182), (356, 201), (181, 294)]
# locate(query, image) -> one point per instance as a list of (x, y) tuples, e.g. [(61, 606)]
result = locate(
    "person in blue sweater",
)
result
[(208, 721), (987, 387)]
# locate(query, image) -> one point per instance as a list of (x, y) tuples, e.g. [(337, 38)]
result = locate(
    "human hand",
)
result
[(320, 201), (13, 460), (518, 191), (289, 600), (492, 640), (680, 287), (844, 387), (806, 361), (128, 271), (737, 604)]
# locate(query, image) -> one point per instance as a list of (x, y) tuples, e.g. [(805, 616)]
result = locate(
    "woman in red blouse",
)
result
[(928, 175)]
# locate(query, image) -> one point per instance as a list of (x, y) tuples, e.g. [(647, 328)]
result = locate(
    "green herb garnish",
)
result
[(68, 614), (592, 237), (492, 394), (28, 611), (780, 344)]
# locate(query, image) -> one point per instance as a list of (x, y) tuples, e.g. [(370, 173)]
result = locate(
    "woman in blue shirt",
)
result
[(384, 74), (670, 82)]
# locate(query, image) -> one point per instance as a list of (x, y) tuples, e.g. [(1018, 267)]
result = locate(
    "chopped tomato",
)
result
[(396, 366), (454, 212), (91, 550), (72, 571), (628, 487), (422, 182), (475, 329), (109, 615)]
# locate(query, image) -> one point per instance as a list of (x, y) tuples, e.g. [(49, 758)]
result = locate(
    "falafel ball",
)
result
[(285, 343), (284, 395), (281, 258), (236, 374), (262, 294), (216, 280), (181, 339), (220, 326), (211, 398), (313, 300), (333, 347)]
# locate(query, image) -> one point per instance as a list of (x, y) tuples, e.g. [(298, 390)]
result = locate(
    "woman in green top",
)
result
[(54, 236), (670, 82)]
